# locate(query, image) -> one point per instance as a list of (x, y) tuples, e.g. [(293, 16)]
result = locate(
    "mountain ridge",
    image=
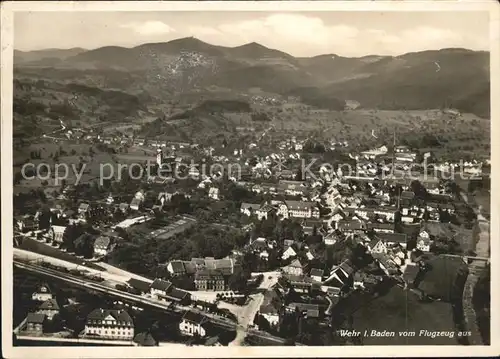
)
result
[(422, 79)]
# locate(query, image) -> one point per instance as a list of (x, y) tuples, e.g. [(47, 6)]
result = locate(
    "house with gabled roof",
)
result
[(42, 293), (35, 323), (351, 226), (193, 324), (140, 286), (330, 239), (49, 308), (393, 239), (102, 245), (386, 263), (289, 252), (381, 227), (265, 211), (377, 245), (340, 274), (160, 288), (176, 267), (135, 204), (294, 268), (57, 233), (110, 324), (316, 274)]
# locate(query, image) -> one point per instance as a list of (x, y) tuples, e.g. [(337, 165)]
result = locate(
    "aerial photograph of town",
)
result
[(251, 179)]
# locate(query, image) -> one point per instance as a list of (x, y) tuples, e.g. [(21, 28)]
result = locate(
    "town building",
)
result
[(393, 239), (298, 209), (160, 288), (316, 274), (377, 245), (135, 204), (294, 268), (110, 324), (307, 310), (289, 252), (42, 293), (140, 286), (102, 245), (209, 280), (49, 308), (424, 244), (35, 323), (213, 193), (57, 233), (193, 324)]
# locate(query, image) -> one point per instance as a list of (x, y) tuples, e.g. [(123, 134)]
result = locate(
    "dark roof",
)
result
[(311, 309), (316, 272), (194, 317), (49, 304), (139, 284), (411, 230), (179, 294), (161, 284), (300, 205), (178, 266), (352, 224), (378, 225), (385, 260), (346, 267), (392, 237), (145, 339), (120, 315), (206, 274), (407, 195), (43, 288), (36, 318)]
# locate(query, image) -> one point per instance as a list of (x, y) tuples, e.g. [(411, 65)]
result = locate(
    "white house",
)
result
[(57, 233), (213, 193), (110, 324), (135, 204), (294, 268), (193, 324), (160, 288), (424, 244), (289, 253), (377, 246), (330, 239), (42, 293)]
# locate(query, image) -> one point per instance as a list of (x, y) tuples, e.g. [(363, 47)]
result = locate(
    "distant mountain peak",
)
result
[(254, 44)]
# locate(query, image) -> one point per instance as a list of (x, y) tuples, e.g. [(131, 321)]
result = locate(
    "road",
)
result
[(247, 313), (482, 249)]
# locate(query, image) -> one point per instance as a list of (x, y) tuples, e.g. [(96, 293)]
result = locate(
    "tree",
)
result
[(238, 280)]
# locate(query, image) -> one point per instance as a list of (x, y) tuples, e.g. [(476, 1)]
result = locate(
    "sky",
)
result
[(297, 33)]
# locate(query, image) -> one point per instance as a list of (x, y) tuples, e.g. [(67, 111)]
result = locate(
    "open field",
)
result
[(400, 310)]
